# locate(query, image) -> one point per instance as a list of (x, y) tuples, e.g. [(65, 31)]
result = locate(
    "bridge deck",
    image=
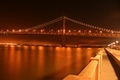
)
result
[(108, 67)]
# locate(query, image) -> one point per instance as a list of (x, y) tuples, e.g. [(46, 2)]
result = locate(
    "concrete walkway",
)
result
[(115, 54), (107, 71)]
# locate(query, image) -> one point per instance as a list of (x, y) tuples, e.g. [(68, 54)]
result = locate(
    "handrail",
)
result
[(91, 71)]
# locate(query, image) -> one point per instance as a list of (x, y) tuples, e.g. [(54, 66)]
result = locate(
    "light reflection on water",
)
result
[(42, 63)]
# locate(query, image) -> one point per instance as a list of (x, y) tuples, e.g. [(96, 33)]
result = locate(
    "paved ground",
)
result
[(107, 71)]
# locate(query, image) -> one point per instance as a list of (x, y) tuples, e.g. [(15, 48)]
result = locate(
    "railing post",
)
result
[(98, 68), (100, 53)]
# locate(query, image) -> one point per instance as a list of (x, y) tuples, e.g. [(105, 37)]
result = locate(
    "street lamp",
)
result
[(117, 42)]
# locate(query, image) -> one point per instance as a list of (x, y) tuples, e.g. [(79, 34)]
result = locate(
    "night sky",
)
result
[(25, 14)]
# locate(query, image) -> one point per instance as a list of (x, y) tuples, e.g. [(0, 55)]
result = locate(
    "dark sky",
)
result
[(24, 14)]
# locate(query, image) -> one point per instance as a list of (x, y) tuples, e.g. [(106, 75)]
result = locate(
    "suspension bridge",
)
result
[(62, 26)]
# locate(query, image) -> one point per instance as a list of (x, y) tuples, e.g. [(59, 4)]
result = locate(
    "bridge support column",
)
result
[(63, 32)]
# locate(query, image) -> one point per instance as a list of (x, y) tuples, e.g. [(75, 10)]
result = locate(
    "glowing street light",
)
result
[(34, 30), (58, 31), (13, 30), (69, 31), (117, 42), (26, 30), (7, 30), (79, 31), (20, 30)]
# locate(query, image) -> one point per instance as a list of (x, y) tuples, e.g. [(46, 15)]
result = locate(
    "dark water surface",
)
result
[(38, 62), (42, 63)]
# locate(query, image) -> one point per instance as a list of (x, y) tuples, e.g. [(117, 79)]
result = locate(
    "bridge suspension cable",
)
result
[(44, 24), (90, 26), (35, 27)]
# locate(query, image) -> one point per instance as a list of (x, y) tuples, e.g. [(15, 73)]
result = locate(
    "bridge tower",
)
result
[(63, 32)]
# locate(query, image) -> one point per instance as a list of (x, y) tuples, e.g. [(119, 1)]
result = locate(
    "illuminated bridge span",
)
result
[(82, 29), (65, 26)]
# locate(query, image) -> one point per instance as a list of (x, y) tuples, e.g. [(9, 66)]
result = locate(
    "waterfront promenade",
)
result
[(114, 57), (104, 66), (107, 70)]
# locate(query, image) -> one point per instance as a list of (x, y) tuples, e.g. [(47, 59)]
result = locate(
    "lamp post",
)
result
[(117, 44)]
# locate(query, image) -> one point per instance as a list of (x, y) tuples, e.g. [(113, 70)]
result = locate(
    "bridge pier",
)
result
[(63, 32)]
